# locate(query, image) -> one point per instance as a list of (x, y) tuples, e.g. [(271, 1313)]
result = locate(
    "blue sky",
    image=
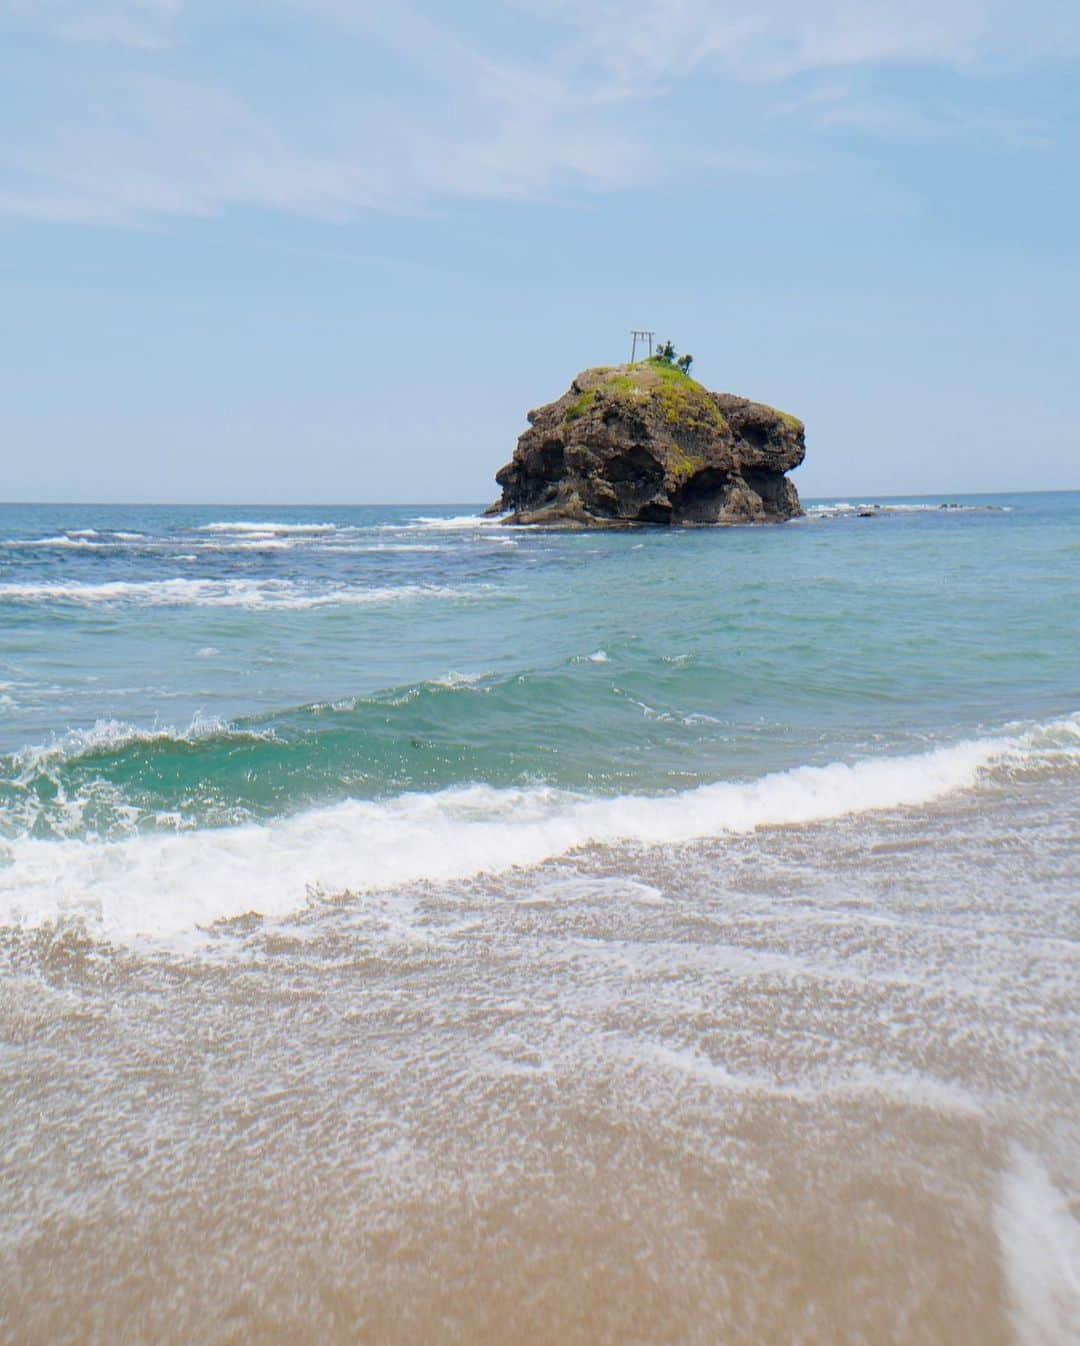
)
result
[(326, 250)]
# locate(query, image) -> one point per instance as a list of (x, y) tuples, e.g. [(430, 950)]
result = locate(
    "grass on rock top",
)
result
[(579, 407), (682, 399), (792, 422)]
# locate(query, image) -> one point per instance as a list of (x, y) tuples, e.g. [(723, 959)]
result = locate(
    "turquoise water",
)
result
[(166, 671)]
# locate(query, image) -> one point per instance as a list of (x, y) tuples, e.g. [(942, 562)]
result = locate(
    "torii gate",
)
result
[(639, 334)]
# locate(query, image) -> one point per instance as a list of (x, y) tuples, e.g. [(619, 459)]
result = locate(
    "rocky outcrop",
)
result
[(646, 444)]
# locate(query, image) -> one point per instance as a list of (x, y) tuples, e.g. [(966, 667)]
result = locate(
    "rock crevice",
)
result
[(647, 444)]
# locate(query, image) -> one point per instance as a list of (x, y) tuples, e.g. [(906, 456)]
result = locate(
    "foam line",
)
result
[(205, 593), (158, 885)]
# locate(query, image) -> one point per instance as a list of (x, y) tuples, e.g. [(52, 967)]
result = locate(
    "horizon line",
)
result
[(446, 504)]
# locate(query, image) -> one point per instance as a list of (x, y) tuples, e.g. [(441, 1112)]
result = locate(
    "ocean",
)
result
[(414, 930)]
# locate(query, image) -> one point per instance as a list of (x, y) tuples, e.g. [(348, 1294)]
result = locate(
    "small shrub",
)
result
[(667, 357)]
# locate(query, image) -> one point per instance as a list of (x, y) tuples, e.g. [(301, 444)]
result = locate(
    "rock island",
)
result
[(644, 443)]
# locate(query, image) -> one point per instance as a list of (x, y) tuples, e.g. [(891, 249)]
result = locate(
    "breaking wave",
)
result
[(112, 736), (845, 509), (229, 593), (247, 526), (159, 885), (75, 541), (434, 523)]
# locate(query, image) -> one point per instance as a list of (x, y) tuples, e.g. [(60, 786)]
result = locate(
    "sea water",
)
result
[(416, 929)]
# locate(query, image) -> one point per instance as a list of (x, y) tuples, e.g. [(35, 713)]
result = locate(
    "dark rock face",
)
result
[(646, 444)]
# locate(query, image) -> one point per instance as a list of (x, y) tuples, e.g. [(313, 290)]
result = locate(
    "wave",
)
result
[(111, 736), (255, 542), (439, 523), (354, 548), (82, 539), (247, 526), (63, 788), (257, 595), (61, 541), (311, 543), (844, 509), (162, 885)]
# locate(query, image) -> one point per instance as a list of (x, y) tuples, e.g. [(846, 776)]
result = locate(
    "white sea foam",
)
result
[(163, 885), (59, 542), (456, 680), (564, 889), (247, 526), (450, 524), (114, 735), (311, 542), (206, 593), (353, 548), (844, 508), (911, 1090), (455, 521), (255, 542), (1040, 1252)]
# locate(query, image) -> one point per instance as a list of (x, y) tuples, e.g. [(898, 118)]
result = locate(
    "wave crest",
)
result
[(257, 595), (248, 526), (161, 885)]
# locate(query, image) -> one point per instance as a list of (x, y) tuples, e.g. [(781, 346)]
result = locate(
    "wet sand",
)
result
[(811, 1085)]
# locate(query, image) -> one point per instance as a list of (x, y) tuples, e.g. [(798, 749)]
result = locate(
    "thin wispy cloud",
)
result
[(844, 104), (651, 40), (326, 108)]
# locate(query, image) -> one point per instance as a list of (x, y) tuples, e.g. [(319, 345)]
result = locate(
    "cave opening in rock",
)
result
[(755, 435), (552, 460), (701, 498), (635, 464)]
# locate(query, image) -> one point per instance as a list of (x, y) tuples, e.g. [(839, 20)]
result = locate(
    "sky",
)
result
[(274, 251)]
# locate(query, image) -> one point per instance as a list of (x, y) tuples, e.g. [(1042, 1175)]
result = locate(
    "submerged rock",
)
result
[(647, 444)]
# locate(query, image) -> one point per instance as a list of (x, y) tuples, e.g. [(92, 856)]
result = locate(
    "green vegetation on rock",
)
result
[(666, 355), (684, 400), (683, 466), (621, 384), (579, 407), (791, 422)]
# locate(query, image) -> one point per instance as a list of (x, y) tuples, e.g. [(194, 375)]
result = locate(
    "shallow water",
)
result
[(413, 932)]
